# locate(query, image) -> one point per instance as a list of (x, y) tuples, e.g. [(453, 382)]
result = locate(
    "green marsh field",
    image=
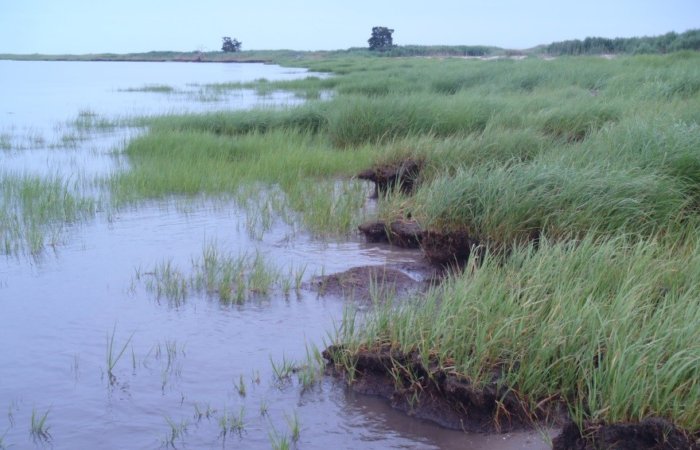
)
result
[(599, 159), (576, 180)]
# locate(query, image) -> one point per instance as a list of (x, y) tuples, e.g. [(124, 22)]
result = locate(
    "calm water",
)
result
[(58, 310)]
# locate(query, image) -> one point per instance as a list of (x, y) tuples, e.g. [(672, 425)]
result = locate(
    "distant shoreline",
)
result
[(143, 57)]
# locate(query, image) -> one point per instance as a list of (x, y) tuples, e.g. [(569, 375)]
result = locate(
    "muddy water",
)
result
[(184, 363)]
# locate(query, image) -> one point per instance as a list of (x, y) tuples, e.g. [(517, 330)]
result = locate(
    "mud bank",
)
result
[(424, 390), (652, 434), (402, 175), (377, 282), (440, 248), (445, 248)]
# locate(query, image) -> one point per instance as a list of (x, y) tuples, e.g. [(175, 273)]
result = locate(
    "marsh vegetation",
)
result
[(578, 180)]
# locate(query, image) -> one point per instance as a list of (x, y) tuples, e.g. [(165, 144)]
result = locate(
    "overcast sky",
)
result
[(121, 26)]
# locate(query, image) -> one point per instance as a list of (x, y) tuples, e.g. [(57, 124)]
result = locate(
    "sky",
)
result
[(126, 26)]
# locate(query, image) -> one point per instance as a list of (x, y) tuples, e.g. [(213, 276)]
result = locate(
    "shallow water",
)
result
[(60, 309)]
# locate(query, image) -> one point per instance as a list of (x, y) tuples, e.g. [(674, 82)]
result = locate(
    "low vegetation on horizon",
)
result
[(381, 40)]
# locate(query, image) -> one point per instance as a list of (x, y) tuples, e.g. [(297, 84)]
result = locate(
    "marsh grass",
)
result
[(290, 170), (580, 176), (233, 279), (217, 274), (607, 326), (113, 355), (506, 205), (277, 441), (241, 387), (283, 370), (294, 426), (166, 281), (203, 412), (157, 88), (39, 429), (232, 423), (89, 121), (176, 431), (34, 211)]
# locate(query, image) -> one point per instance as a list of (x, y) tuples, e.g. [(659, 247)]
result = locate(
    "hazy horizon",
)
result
[(128, 26)]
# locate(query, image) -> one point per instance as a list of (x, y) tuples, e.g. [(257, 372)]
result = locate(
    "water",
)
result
[(185, 364)]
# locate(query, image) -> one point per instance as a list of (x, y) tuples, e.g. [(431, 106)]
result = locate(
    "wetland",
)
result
[(182, 265)]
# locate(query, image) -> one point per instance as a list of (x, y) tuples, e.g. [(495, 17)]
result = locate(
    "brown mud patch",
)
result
[(402, 174), (423, 390), (372, 282), (649, 434), (401, 233), (449, 248)]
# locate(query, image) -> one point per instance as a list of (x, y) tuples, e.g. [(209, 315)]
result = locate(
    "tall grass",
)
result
[(609, 327), (506, 205), (586, 170), (194, 162), (35, 210)]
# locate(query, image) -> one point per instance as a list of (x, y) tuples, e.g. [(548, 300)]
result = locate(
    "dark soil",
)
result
[(649, 434), (402, 233), (362, 282), (451, 248), (403, 174), (423, 390)]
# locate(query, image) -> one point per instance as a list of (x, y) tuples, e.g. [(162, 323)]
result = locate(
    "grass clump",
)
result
[(228, 278), (35, 210), (39, 429), (506, 205), (159, 88), (299, 164)]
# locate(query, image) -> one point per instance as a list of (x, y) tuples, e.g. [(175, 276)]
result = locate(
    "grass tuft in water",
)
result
[(294, 426), (113, 354), (39, 429), (203, 412), (232, 423), (176, 431), (34, 211)]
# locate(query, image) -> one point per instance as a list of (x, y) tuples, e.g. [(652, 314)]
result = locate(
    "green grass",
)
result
[(34, 211), (232, 423), (114, 354), (506, 205), (597, 159), (39, 429), (158, 88), (231, 279), (176, 431), (303, 166), (607, 326)]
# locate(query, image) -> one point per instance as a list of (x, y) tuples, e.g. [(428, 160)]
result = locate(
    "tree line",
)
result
[(669, 42)]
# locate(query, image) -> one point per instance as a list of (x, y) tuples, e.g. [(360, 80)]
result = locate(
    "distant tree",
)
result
[(230, 45), (381, 39)]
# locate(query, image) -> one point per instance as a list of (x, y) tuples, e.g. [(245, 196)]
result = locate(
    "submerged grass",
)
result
[(217, 274), (34, 211), (39, 429)]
